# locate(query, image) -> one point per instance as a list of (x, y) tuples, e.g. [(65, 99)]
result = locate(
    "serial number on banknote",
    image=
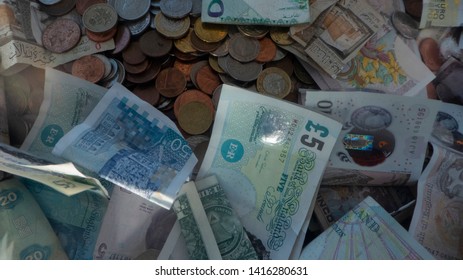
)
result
[(278, 270)]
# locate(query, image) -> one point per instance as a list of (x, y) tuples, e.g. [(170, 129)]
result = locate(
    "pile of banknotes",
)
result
[(234, 130)]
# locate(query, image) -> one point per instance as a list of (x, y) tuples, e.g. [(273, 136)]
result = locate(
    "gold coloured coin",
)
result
[(184, 44), (195, 117), (172, 28), (280, 35), (274, 82), (210, 33)]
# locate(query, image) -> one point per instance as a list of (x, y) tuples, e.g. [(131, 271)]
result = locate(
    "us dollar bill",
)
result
[(231, 238), (441, 13), (25, 233), (261, 12)]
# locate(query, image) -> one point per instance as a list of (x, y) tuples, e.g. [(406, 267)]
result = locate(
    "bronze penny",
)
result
[(133, 54), (59, 9), (102, 36), (136, 68), (190, 96), (430, 53), (82, 5), (148, 93), (61, 35), (170, 82), (207, 79), (89, 68), (153, 44), (268, 50), (121, 39), (146, 76), (194, 70), (185, 67)]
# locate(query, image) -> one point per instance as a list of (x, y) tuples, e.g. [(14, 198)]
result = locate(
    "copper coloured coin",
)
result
[(170, 82), (136, 68), (207, 79), (89, 68), (121, 39), (61, 35), (267, 51), (153, 44), (146, 76), (103, 36), (147, 93), (133, 53), (82, 5), (430, 53)]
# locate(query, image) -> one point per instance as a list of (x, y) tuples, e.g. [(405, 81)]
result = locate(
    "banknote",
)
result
[(441, 13), (437, 221), (25, 233), (447, 82), (68, 100), (385, 64), (4, 134), (333, 202), (196, 230), (64, 177), (233, 242), (448, 128), (76, 220), (175, 247), (131, 226), (337, 35), (260, 12), (20, 38), (131, 144), (366, 232), (384, 137), (268, 156)]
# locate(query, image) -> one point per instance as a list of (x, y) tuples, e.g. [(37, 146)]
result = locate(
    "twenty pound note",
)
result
[(269, 155), (262, 12), (130, 143)]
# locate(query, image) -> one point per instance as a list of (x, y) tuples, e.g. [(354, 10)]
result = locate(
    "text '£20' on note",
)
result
[(268, 156), (384, 136), (131, 144)]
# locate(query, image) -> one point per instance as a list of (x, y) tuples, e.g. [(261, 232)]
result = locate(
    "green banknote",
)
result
[(269, 155), (232, 239), (195, 228), (441, 13), (25, 233), (261, 12)]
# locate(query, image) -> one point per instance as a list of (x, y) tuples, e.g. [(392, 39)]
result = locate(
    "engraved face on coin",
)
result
[(176, 8), (99, 17), (61, 35), (405, 25), (274, 82)]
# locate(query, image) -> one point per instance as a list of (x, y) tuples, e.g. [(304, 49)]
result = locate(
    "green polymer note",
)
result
[(232, 239), (25, 233)]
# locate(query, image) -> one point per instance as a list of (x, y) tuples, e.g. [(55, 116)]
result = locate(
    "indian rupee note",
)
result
[(367, 232), (441, 13), (68, 100), (437, 221), (25, 233), (384, 137), (131, 226), (261, 12), (268, 156), (233, 242), (131, 144), (196, 230), (76, 220)]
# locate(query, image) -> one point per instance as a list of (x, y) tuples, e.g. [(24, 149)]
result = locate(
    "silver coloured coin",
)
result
[(99, 17), (405, 25), (176, 8), (139, 26), (49, 2), (244, 72), (131, 9), (244, 49)]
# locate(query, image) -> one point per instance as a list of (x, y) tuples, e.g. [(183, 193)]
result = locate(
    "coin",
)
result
[(254, 31), (184, 44), (133, 54), (196, 8), (267, 50), (148, 93), (280, 35), (301, 74), (137, 27), (414, 7), (405, 25), (170, 82), (194, 70), (60, 8), (223, 49), (154, 44), (82, 5), (61, 35), (99, 17), (146, 76), (184, 67), (106, 63), (172, 28), (210, 33), (214, 63), (430, 54), (201, 45), (195, 118), (89, 68), (49, 2), (103, 36), (132, 10), (244, 72), (121, 39), (190, 96), (244, 49), (207, 80), (286, 64), (274, 82), (176, 8), (136, 68)]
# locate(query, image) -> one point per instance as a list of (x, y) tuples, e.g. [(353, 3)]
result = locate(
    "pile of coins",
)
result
[(168, 57)]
